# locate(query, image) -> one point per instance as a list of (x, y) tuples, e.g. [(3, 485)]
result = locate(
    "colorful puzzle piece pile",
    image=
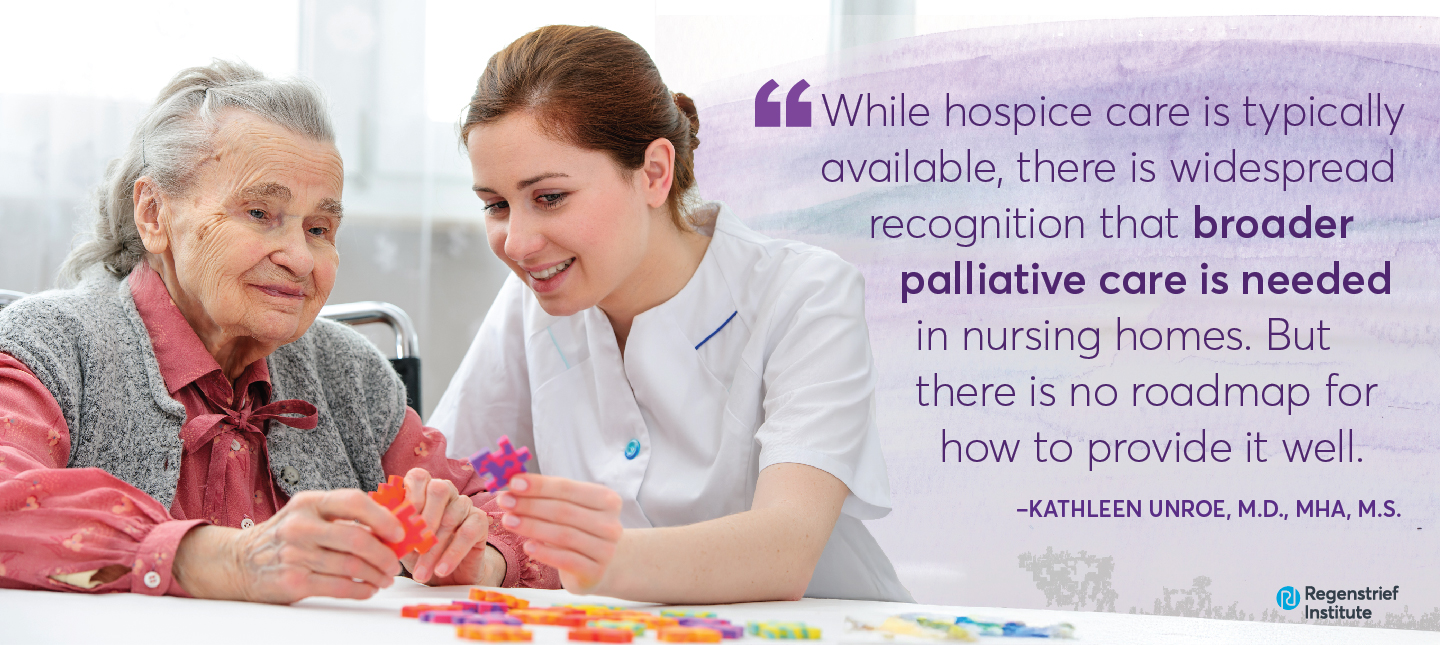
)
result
[(960, 628), (391, 495), (482, 603), (497, 467), (494, 616)]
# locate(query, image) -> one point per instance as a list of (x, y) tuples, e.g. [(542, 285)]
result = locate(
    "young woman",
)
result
[(699, 397)]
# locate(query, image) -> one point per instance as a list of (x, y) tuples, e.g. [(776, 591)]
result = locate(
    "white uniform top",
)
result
[(762, 358)]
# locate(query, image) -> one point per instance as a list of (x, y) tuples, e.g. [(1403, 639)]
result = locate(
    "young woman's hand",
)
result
[(572, 526), (459, 554), (318, 544)]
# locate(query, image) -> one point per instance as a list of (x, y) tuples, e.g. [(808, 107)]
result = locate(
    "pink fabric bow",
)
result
[(203, 429)]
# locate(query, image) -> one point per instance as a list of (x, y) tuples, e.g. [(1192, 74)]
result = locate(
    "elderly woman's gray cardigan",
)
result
[(91, 350)]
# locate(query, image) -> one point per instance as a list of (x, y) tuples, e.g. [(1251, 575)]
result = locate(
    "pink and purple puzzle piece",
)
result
[(726, 629), (497, 467)]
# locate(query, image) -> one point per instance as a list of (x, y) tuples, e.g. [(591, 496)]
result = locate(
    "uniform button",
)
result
[(290, 475), (235, 444), (152, 579), (247, 523), (632, 449)]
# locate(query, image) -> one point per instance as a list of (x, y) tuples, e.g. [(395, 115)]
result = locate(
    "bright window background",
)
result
[(127, 50), (77, 75)]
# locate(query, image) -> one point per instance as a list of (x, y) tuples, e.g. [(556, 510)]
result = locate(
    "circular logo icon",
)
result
[(1288, 598)]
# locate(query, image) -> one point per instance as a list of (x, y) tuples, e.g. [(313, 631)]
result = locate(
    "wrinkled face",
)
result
[(253, 240), (571, 223)]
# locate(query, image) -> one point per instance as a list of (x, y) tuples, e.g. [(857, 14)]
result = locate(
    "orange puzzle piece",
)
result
[(602, 635), (485, 595), (414, 611), (493, 633), (649, 620), (391, 495), (689, 635), (550, 616)]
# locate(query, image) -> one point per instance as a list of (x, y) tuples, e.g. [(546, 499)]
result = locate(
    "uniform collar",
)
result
[(705, 304)]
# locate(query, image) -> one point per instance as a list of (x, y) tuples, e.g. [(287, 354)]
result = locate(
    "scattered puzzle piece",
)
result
[(730, 631), (689, 635), (896, 625), (596, 611), (497, 467), (482, 606), (651, 620), (786, 630), (687, 613), (697, 621), (550, 616), (487, 619), (509, 601), (446, 617), (637, 628), (493, 633), (602, 635), (391, 495), (718, 624), (414, 611)]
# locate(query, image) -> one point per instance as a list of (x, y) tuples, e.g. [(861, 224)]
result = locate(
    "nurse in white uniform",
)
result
[(699, 397)]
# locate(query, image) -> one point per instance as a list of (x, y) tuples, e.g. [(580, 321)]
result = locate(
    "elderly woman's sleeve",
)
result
[(71, 529), (417, 446)]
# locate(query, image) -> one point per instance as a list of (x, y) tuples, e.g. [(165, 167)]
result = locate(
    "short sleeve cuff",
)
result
[(861, 503), (152, 571)]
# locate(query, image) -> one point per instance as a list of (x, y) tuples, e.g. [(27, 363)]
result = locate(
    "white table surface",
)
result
[(49, 617)]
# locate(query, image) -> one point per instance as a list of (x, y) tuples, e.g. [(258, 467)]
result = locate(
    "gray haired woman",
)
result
[(179, 421)]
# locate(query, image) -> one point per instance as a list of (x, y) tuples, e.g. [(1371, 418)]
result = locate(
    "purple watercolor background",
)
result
[(955, 535)]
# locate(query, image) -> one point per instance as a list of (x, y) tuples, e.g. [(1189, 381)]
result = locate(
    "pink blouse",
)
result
[(82, 529)]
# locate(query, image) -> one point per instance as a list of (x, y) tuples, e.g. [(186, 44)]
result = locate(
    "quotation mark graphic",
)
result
[(767, 112), (1288, 598)]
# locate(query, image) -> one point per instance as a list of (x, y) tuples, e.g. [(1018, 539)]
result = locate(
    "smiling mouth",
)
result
[(281, 292), (552, 271)]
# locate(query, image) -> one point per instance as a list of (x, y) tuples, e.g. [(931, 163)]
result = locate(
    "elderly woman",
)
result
[(180, 422)]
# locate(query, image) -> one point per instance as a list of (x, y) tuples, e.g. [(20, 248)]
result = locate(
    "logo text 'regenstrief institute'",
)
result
[(1289, 598)]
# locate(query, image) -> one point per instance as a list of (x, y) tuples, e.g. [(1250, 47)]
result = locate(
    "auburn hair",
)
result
[(595, 89)]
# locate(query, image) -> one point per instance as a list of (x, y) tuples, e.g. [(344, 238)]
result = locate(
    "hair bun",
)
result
[(687, 107)]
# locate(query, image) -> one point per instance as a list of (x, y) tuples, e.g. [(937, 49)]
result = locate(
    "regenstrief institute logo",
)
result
[(1289, 598)]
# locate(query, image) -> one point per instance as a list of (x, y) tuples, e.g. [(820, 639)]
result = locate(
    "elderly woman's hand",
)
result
[(459, 529), (319, 544)]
